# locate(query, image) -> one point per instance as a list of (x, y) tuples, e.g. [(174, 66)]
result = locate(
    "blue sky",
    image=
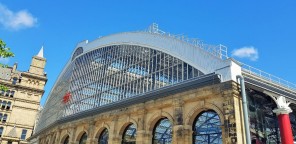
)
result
[(259, 33)]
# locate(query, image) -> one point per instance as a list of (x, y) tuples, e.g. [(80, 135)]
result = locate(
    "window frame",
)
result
[(14, 80), (24, 133), (4, 118), (101, 137), (1, 131)]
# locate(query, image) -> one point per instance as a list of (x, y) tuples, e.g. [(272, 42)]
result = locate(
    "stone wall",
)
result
[(181, 109)]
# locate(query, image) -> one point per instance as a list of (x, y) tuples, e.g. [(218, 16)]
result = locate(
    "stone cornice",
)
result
[(34, 76), (9, 84), (27, 101), (16, 106), (19, 125)]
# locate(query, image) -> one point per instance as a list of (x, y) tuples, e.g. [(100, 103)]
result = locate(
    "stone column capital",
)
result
[(283, 110), (281, 102)]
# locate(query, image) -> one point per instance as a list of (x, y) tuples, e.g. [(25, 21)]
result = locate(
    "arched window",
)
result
[(66, 141), (103, 139), (206, 128), (292, 116), (264, 126), (83, 139), (162, 133), (129, 135)]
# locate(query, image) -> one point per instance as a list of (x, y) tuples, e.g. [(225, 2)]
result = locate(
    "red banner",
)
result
[(67, 97)]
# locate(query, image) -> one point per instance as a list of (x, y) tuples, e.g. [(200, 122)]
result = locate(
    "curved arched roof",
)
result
[(193, 55)]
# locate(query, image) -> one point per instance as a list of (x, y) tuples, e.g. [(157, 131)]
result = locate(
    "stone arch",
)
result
[(279, 100), (207, 128), (292, 102), (53, 138), (194, 112), (156, 117), (100, 129), (292, 117), (64, 137), (80, 134), (123, 127), (48, 138), (47, 141), (42, 141)]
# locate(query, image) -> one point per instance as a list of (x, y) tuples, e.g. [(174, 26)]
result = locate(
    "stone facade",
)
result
[(180, 108), (20, 104)]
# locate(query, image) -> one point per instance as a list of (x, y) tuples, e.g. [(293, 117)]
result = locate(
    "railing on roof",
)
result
[(219, 51), (269, 77)]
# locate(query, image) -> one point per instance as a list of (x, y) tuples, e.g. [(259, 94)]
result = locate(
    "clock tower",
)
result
[(38, 63)]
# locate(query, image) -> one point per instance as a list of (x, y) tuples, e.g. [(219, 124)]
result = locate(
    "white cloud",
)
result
[(248, 52), (16, 20)]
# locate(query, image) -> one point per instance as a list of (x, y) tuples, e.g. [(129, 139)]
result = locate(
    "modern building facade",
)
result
[(20, 103), (153, 87)]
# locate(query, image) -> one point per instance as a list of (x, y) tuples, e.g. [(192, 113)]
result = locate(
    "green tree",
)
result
[(4, 53)]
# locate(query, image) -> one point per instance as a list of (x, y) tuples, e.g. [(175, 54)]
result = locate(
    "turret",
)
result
[(38, 63)]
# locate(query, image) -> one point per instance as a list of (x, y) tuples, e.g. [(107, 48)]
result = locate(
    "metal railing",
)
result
[(219, 51), (269, 77)]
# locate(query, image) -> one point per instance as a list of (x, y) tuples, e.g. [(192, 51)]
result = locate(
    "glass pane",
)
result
[(206, 129), (24, 133), (104, 137), (83, 139), (66, 141), (263, 121), (110, 74), (162, 133), (129, 135), (114, 73)]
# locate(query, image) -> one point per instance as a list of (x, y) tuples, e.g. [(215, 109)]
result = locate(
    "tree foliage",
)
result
[(4, 53)]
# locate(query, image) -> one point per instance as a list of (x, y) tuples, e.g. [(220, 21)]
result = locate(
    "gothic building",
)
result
[(20, 104)]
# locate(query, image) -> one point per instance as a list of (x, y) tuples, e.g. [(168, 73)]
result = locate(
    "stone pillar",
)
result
[(113, 134), (282, 111), (178, 128), (233, 125), (58, 135), (141, 132), (188, 132), (72, 130), (178, 134), (91, 131)]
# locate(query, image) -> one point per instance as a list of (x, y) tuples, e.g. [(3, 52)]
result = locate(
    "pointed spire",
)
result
[(40, 54)]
